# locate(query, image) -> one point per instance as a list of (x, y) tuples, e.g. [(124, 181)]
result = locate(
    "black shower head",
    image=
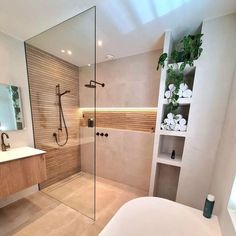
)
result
[(92, 84)]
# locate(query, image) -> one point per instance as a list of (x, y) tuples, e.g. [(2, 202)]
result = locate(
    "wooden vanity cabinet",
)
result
[(19, 174)]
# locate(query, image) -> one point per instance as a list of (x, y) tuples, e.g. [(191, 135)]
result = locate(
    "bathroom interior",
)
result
[(87, 143)]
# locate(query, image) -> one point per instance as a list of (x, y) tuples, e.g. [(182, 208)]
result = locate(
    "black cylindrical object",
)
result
[(209, 205), (173, 154), (90, 122), (102, 134), (97, 133), (106, 134)]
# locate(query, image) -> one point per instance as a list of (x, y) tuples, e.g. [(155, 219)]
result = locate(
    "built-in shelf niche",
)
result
[(189, 74), (165, 171), (183, 109), (167, 144), (166, 183)]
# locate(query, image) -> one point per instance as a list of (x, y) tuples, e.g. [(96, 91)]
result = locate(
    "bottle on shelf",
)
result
[(173, 154), (209, 205)]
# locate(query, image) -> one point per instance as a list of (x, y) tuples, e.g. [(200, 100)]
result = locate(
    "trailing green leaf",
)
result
[(162, 60), (186, 52)]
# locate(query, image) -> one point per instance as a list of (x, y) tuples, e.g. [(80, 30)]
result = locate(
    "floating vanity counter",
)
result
[(21, 168)]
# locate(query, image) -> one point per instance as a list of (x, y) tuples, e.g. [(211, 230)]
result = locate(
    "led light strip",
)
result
[(153, 109)]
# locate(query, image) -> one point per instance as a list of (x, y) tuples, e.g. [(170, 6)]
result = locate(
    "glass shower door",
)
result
[(60, 62)]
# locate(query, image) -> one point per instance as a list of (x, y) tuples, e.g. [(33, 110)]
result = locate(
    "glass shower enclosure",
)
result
[(61, 64)]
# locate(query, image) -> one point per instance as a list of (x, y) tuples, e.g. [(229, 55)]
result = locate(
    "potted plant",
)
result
[(186, 52)]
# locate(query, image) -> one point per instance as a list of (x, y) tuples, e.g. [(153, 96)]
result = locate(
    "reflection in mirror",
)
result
[(11, 114)]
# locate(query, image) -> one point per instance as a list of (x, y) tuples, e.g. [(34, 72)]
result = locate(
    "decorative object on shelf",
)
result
[(174, 123), (90, 122), (209, 205), (187, 51), (173, 154)]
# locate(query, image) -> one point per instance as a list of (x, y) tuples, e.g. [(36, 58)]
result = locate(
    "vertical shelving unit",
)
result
[(166, 171)]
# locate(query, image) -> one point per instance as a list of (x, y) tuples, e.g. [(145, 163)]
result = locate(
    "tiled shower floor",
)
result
[(60, 208)]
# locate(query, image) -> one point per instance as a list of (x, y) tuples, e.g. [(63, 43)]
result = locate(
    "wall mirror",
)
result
[(11, 114)]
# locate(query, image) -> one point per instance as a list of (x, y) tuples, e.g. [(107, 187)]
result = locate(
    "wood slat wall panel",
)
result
[(128, 120), (45, 71)]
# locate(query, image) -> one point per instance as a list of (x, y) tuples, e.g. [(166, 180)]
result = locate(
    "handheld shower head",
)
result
[(67, 91), (58, 91)]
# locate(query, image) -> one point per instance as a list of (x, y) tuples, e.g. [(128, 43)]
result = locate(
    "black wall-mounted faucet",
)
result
[(3, 145)]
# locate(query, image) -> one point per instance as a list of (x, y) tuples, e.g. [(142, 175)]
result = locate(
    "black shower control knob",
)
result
[(97, 133), (106, 134), (102, 134)]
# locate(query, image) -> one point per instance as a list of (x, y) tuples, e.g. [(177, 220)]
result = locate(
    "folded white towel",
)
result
[(187, 93), (168, 94), (171, 87), (183, 127), (182, 122), (183, 86)]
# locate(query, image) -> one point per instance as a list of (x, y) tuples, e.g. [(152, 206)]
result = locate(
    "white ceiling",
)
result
[(126, 27)]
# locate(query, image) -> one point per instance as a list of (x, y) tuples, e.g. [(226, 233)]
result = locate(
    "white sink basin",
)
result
[(18, 153)]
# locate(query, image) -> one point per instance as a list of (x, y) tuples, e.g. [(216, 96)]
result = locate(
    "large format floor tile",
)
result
[(61, 208)]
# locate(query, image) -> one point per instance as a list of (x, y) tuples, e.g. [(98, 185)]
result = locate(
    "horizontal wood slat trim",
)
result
[(128, 120)]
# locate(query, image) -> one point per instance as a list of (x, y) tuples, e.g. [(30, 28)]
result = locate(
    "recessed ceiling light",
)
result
[(89, 64), (99, 43), (69, 52), (110, 57), (63, 51)]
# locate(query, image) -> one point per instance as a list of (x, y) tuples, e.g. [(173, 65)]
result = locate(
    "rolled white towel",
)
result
[(177, 127), (175, 66), (168, 94), (180, 93), (178, 117), (172, 127), (171, 87), (167, 121), (176, 122), (182, 122), (170, 115), (162, 126), (183, 127), (183, 86), (187, 93), (172, 122)]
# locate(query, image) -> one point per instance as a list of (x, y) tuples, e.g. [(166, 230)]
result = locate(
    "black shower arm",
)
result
[(93, 81)]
